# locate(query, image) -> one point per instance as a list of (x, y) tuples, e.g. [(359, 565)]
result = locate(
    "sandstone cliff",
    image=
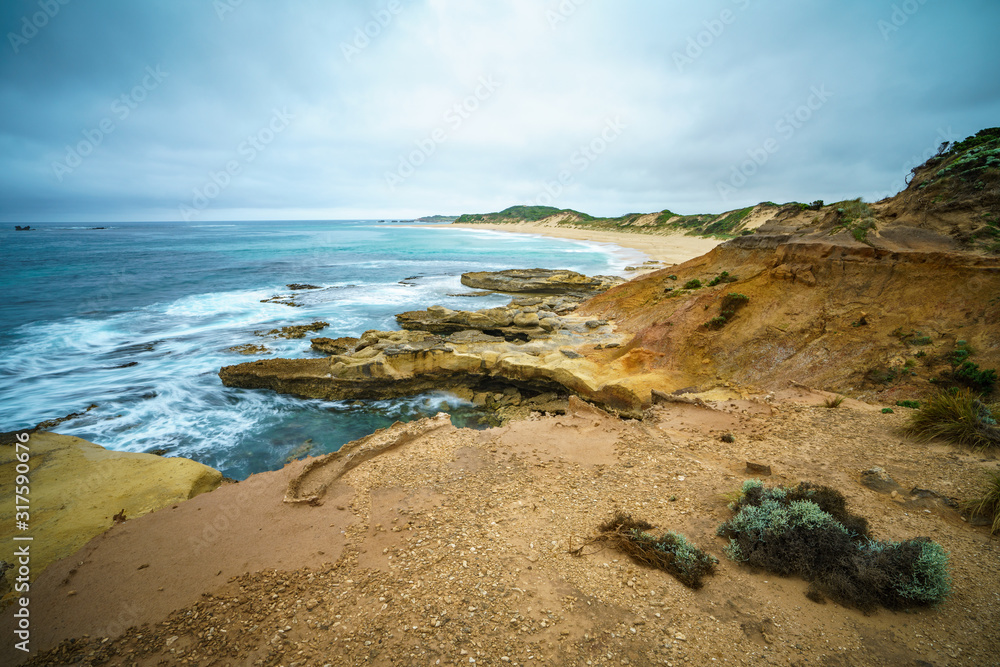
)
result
[(875, 299)]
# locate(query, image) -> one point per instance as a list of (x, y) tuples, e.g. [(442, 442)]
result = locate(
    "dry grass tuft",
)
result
[(958, 416), (670, 551), (988, 504)]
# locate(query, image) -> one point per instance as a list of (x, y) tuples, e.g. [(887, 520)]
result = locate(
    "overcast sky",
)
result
[(201, 110)]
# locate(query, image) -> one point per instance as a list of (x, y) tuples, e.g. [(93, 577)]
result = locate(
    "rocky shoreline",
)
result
[(514, 360)]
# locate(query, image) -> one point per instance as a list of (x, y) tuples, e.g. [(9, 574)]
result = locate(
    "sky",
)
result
[(163, 110)]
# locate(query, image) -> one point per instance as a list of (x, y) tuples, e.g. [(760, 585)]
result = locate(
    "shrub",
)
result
[(727, 307), (694, 283), (733, 302), (880, 375), (723, 277), (909, 404), (887, 411), (672, 277), (970, 375), (807, 531), (669, 551), (988, 504), (959, 417)]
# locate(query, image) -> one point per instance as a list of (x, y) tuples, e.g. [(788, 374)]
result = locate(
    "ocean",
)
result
[(136, 319)]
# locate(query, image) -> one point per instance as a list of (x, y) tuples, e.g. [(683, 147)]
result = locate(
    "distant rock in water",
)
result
[(301, 286), (294, 331), (539, 281), (19, 228), (249, 349)]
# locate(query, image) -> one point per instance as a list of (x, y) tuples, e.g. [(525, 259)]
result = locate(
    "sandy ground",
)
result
[(667, 249), (454, 548)]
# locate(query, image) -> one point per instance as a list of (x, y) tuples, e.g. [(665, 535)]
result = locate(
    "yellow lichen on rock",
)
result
[(77, 487)]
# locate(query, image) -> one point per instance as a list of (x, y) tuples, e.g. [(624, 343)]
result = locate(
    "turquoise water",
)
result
[(137, 319)]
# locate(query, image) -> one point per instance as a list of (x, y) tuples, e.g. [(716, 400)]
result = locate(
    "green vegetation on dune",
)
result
[(972, 157), (856, 217), (438, 218), (965, 176), (725, 226), (520, 214)]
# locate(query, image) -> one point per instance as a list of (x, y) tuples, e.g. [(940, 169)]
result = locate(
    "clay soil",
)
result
[(455, 548)]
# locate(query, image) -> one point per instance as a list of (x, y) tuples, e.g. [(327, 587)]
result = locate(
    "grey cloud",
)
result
[(357, 116)]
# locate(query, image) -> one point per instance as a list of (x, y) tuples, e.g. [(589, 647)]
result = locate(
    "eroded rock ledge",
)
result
[(540, 281), (515, 359)]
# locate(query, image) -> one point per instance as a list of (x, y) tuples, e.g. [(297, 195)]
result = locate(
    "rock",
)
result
[(77, 487), (539, 281), (471, 294), (660, 398), (925, 498), (301, 286), (526, 320), (309, 486), (50, 424), (283, 299), (335, 345), (249, 349), (295, 331), (508, 322), (437, 319), (758, 469), (877, 479), (390, 364)]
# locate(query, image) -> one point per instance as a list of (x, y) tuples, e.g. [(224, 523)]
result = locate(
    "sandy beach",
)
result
[(668, 249)]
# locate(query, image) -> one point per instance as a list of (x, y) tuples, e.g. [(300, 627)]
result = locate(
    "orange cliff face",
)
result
[(869, 299)]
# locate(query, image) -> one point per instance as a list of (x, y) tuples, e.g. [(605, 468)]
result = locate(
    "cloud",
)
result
[(700, 89)]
